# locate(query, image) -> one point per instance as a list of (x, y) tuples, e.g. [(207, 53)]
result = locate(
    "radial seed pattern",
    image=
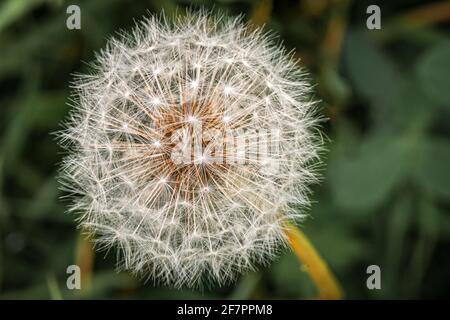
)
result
[(176, 222)]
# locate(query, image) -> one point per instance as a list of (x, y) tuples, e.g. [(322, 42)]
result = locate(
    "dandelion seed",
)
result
[(192, 119), (190, 223), (155, 101), (194, 84), (228, 89), (156, 71), (226, 119), (163, 180)]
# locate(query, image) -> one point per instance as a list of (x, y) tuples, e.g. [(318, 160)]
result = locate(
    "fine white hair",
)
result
[(190, 224)]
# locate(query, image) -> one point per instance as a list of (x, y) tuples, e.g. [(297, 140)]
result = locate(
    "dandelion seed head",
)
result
[(190, 223)]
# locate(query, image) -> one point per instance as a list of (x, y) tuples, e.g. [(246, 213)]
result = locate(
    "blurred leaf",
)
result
[(408, 108), (336, 85), (11, 10), (433, 166), (246, 286), (429, 217), (338, 246), (429, 225), (434, 72), (35, 47), (43, 201), (16, 132), (289, 279), (397, 227), (444, 223), (363, 180), (48, 109), (373, 75), (53, 288)]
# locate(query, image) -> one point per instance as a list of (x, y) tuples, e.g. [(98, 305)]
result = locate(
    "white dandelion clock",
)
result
[(190, 145)]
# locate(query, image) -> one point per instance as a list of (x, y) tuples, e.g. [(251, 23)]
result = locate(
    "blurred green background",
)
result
[(385, 196)]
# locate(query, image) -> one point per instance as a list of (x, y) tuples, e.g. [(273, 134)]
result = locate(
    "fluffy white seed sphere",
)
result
[(177, 219)]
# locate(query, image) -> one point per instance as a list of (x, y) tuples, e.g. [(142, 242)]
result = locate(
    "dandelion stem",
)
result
[(85, 260), (316, 267)]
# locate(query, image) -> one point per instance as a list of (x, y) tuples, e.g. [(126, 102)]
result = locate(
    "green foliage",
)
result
[(366, 177), (385, 196), (434, 70), (433, 171), (371, 73)]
